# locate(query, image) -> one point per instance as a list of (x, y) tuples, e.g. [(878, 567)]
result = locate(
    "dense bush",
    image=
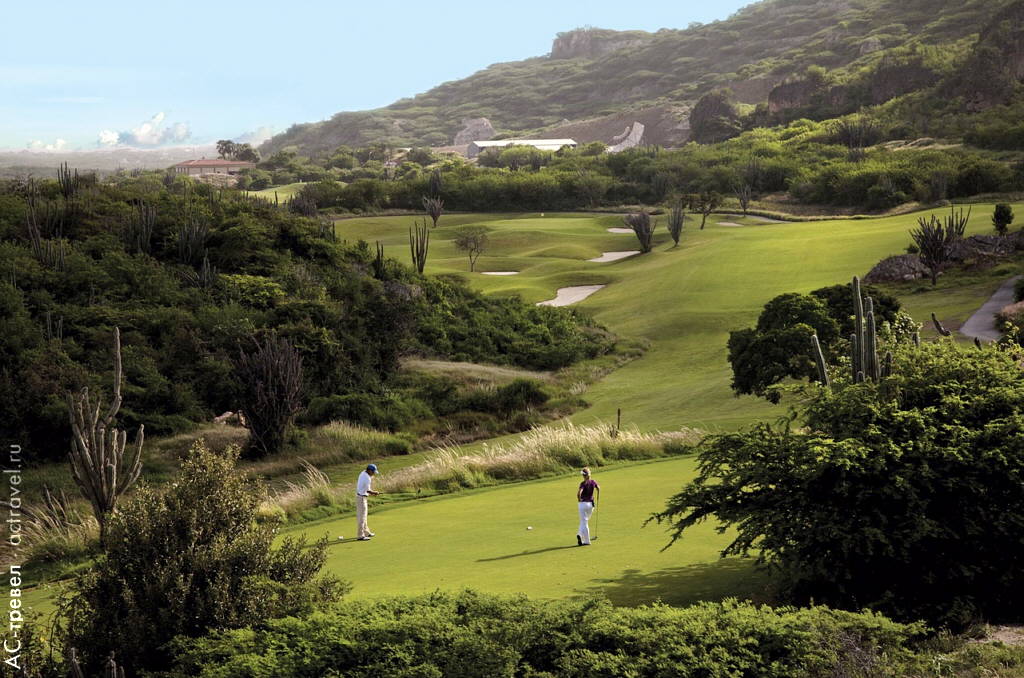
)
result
[(187, 560), (904, 496), (470, 634), (779, 346), (252, 268)]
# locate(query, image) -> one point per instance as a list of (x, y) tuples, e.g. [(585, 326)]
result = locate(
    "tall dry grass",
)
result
[(539, 452), (536, 453)]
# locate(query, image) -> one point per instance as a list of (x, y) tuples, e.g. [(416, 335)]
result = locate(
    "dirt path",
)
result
[(982, 325)]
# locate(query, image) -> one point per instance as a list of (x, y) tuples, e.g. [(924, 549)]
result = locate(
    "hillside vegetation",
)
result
[(768, 53)]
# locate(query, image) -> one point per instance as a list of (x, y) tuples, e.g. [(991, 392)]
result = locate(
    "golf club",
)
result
[(593, 532)]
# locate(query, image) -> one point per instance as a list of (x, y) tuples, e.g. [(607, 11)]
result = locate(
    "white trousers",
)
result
[(586, 508), (361, 528)]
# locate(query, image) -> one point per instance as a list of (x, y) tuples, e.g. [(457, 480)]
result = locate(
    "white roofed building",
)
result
[(477, 147)]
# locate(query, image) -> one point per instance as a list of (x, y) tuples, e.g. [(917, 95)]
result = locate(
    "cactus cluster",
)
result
[(419, 243), (98, 448), (864, 361)]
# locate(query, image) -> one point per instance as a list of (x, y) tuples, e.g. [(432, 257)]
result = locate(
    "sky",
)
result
[(84, 75)]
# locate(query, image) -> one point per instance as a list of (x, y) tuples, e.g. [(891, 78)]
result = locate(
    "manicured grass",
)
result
[(283, 192), (684, 300), (479, 540)]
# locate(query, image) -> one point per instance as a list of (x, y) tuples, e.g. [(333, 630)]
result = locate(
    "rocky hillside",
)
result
[(774, 52)]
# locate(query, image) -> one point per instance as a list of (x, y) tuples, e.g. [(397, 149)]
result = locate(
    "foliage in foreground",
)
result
[(188, 560), (471, 634), (903, 496)]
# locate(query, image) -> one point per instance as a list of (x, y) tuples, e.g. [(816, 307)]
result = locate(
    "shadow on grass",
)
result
[(728, 577), (526, 553)]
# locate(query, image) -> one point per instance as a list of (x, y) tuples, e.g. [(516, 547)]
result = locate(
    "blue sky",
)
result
[(81, 75)]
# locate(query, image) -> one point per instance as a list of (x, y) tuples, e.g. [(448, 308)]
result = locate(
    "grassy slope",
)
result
[(479, 540), (685, 300)]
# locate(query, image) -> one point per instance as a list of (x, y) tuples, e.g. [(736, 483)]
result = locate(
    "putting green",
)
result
[(480, 540)]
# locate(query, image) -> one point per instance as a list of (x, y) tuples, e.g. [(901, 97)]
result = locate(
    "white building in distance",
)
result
[(477, 147), (211, 166)]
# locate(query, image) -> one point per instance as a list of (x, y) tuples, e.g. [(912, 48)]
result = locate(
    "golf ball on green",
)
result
[(530, 527)]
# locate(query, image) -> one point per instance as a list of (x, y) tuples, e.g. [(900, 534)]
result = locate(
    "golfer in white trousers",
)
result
[(363, 490), (587, 496)]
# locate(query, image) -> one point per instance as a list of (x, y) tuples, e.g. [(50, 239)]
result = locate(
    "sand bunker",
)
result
[(614, 256), (728, 223), (499, 272), (570, 295), (620, 230)]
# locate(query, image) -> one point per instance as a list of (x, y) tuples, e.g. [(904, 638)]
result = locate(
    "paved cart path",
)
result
[(982, 325)]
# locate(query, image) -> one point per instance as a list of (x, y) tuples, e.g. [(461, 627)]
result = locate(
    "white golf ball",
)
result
[(530, 527), (340, 538)]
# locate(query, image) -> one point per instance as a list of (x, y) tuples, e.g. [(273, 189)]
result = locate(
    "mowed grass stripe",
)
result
[(479, 540)]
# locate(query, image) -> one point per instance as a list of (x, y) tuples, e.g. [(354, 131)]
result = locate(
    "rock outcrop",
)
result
[(589, 43), (474, 129), (631, 138), (897, 268)]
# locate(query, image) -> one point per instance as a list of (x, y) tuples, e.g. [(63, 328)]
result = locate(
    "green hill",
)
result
[(788, 55)]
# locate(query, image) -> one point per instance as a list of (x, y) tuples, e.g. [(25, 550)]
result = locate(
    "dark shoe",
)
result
[(584, 544), (579, 540)]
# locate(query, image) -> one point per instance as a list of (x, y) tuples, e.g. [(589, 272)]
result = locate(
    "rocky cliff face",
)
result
[(474, 129), (588, 43)]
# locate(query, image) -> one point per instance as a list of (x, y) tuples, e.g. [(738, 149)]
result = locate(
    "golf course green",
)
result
[(480, 540), (681, 302)]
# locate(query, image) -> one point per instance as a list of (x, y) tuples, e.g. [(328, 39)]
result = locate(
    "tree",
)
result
[(245, 152), (902, 495), (935, 240), (97, 448), (188, 559), (472, 240), (434, 190), (226, 149), (1002, 217), (776, 349), (675, 220), (269, 374), (705, 202), (641, 224), (714, 118), (592, 187), (434, 207)]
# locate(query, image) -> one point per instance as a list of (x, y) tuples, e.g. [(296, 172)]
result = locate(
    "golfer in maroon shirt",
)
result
[(587, 497)]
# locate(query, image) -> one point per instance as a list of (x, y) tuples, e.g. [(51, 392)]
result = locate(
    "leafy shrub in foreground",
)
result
[(188, 560), (471, 634), (905, 496)]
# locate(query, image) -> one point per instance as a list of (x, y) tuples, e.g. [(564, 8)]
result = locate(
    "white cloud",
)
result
[(150, 133), (57, 145), (256, 136)]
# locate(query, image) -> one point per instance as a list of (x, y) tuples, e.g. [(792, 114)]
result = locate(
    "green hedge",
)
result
[(471, 634)]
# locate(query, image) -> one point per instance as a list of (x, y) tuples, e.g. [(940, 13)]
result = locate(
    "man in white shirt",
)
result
[(363, 490)]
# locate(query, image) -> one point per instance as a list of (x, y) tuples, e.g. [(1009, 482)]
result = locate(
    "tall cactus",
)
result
[(97, 448), (419, 243)]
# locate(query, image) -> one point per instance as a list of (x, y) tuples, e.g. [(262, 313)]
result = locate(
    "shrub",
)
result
[(903, 496), (457, 635), (389, 412), (188, 560)]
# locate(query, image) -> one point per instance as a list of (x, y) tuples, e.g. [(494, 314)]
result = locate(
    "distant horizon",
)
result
[(130, 77)]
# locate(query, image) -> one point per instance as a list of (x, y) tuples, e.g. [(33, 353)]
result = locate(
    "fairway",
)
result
[(479, 540), (683, 300)]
